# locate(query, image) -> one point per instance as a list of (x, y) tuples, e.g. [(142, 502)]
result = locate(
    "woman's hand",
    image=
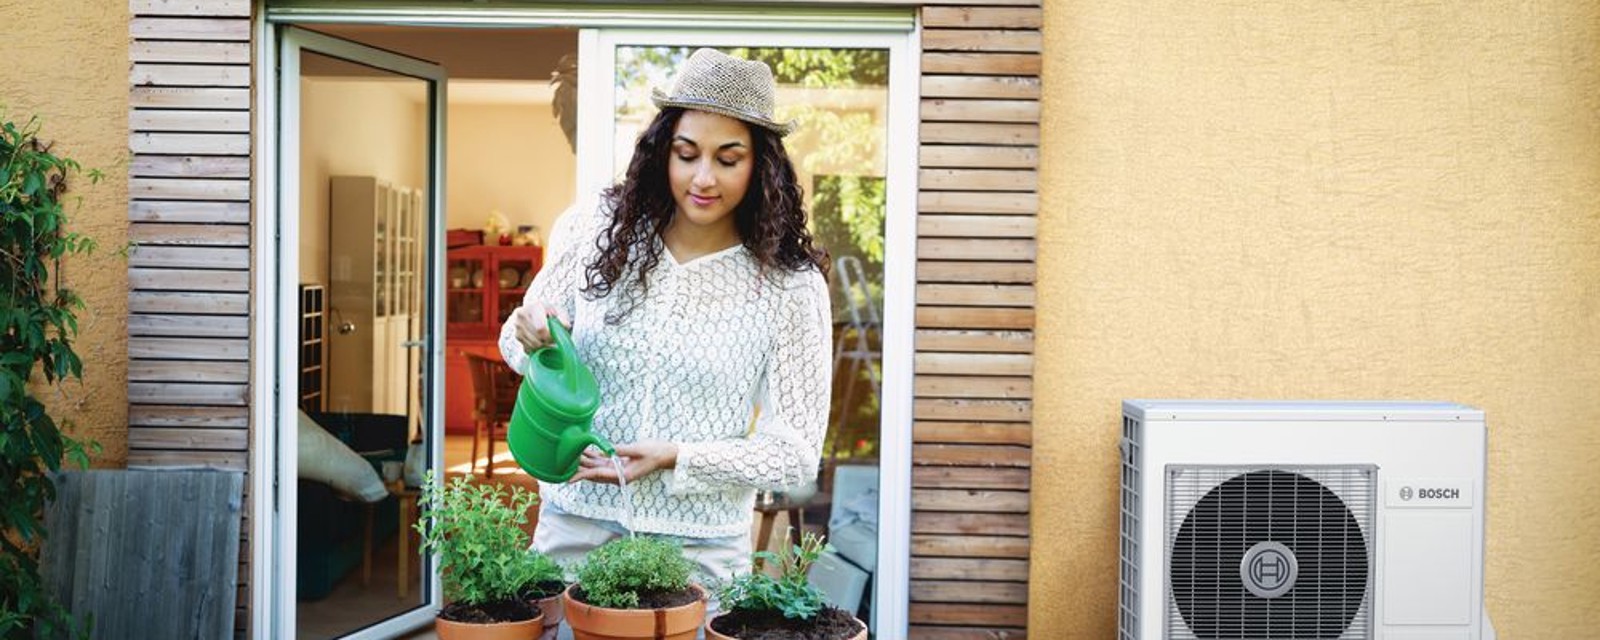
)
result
[(639, 459), (532, 331)]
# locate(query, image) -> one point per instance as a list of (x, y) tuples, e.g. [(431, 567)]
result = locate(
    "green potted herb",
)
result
[(758, 605), (635, 587), (484, 560), (543, 582)]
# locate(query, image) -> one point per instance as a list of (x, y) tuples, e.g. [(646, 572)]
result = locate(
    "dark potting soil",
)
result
[(830, 624), (502, 611), (654, 599), (544, 590)]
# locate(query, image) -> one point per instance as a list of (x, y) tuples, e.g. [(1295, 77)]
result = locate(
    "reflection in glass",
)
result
[(838, 100)]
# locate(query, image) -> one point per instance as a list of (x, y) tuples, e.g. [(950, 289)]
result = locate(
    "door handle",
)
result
[(413, 344)]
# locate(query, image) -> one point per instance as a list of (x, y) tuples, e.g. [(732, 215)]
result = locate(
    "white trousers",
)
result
[(567, 538)]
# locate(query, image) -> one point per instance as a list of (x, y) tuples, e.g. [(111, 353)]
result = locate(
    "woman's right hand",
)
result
[(532, 329)]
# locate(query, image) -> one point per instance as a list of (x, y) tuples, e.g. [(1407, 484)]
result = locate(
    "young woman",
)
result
[(696, 296)]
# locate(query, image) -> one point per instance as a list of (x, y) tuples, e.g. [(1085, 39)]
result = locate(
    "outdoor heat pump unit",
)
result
[(1302, 520)]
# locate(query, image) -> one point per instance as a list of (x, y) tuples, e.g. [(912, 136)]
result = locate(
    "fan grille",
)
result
[(1301, 538)]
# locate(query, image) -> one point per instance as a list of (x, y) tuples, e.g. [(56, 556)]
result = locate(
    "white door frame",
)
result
[(274, 317), (597, 62)]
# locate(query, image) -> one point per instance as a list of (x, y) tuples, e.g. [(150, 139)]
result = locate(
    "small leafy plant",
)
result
[(477, 531), (618, 573), (38, 321), (790, 593)]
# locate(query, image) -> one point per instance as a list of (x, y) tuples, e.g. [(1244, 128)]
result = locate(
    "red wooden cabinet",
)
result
[(483, 285)]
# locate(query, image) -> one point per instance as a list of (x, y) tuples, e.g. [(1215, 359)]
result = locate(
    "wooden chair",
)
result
[(494, 390)]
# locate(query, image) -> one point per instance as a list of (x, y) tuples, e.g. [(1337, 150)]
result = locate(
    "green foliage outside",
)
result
[(790, 593), (616, 573), (38, 321), (476, 529)]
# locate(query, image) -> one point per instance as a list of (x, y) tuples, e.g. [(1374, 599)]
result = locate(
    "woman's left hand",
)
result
[(639, 459)]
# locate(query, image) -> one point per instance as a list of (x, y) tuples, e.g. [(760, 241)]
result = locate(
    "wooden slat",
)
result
[(970, 87), (971, 477), (190, 29), (189, 211), (212, 144), (971, 455), (947, 409), (969, 546), (976, 202), (955, 156), (143, 324), (969, 614), (975, 341), (982, 18), (997, 40), (188, 120), (928, 632), (188, 98), (189, 257), (213, 8), (989, 524), (189, 75), (986, 64), (151, 415), (997, 272), (969, 591), (226, 235), (1018, 388), (189, 280), (188, 393), (976, 295), (974, 318), (980, 133), (189, 51), (949, 110), (160, 458), (975, 249), (969, 568), (148, 166), (969, 226), (967, 432), (164, 438), (969, 500), (978, 179), (188, 348), (973, 364), (175, 302), (187, 371)]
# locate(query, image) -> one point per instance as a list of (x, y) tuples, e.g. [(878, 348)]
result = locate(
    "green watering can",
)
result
[(550, 426)]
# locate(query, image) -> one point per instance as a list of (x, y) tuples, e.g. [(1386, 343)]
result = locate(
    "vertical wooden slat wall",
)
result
[(189, 227), (977, 209)]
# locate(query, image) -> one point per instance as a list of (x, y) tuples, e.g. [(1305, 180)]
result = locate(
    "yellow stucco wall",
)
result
[(66, 61), (1392, 200)]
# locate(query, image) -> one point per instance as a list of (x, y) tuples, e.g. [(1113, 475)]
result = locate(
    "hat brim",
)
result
[(663, 101)]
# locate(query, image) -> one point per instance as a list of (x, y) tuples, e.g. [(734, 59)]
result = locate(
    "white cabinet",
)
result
[(374, 293)]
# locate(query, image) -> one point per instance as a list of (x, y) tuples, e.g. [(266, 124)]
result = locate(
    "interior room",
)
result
[(511, 169)]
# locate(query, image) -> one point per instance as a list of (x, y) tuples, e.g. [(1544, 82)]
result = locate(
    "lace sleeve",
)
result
[(785, 447), (558, 280)]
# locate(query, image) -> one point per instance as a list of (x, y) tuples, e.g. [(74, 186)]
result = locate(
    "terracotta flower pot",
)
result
[(519, 630), (713, 634), (550, 609), (590, 622)]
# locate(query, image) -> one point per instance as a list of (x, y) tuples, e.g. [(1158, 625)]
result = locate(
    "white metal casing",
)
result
[(1427, 548)]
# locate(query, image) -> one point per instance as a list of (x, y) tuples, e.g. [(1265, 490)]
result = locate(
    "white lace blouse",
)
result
[(690, 364)]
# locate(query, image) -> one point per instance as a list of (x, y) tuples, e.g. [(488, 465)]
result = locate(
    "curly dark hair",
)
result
[(771, 219)]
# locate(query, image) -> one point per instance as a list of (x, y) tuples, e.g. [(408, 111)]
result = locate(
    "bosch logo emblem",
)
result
[(1269, 569), (1405, 493)]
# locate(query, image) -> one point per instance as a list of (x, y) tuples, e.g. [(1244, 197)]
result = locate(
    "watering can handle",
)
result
[(563, 343)]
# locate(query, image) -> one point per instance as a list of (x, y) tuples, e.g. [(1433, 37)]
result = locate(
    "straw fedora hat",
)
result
[(711, 80)]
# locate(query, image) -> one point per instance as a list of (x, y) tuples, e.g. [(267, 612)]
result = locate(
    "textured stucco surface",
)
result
[(1394, 200), (66, 61)]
